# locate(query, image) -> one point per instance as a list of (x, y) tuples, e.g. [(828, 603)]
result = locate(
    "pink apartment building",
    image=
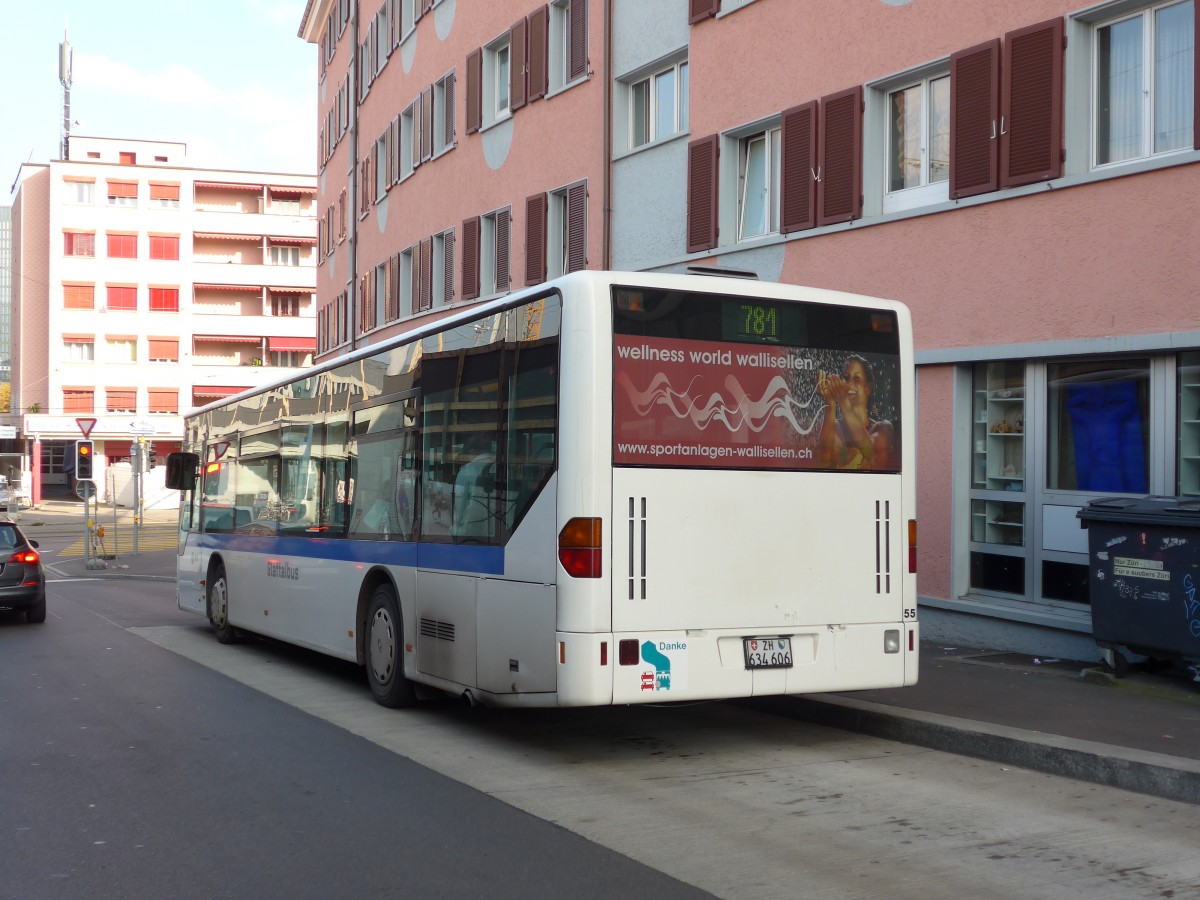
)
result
[(143, 288), (1023, 175)]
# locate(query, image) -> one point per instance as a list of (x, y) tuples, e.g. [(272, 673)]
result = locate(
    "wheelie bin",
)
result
[(1144, 571)]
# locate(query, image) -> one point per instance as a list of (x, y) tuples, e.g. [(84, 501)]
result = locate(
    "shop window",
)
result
[(1188, 463), (1098, 426)]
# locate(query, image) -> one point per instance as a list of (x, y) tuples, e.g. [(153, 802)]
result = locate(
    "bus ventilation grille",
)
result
[(443, 631), (883, 546), (637, 548)]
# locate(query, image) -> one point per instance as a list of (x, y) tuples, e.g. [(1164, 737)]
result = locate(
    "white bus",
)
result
[(612, 488)]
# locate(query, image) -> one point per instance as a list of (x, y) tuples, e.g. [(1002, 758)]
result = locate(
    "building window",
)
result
[(164, 246), (287, 305), (496, 69), (164, 196), (122, 246), (1145, 84), (658, 105), (494, 252), (380, 298), (409, 137), (409, 259), (283, 255), (568, 60), (918, 143), (120, 400), (82, 193), (127, 158), (79, 400), (122, 193), (758, 184), (121, 297), (164, 299), (78, 243), (379, 164), (121, 349), (443, 114), (163, 350), (163, 401), (78, 349), (79, 296), (1098, 426), (565, 239), (294, 359)]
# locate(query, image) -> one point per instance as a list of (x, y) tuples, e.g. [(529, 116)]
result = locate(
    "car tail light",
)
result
[(579, 548), (27, 557)]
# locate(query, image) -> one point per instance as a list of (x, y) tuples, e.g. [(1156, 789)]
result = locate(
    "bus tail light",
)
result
[(627, 652), (579, 549), (912, 545)]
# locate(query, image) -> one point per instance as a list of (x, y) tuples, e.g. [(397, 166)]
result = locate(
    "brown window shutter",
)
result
[(577, 227), (578, 51), (698, 10), (798, 196), (1031, 105), (414, 278), (426, 281), (975, 120), (427, 123), (539, 52), (503, 250), (517, 70), (389, 288), (535, 239), (448, 110), (470, 258), (448, 267), (703, 154), (474, 91), (839, 163)]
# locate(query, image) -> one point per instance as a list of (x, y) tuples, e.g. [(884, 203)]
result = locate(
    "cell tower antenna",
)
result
[(64, 77)]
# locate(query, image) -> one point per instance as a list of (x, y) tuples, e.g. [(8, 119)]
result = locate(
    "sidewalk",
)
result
[(1063, 717)]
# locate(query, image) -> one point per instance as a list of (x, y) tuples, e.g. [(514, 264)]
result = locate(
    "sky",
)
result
[(229, 78)]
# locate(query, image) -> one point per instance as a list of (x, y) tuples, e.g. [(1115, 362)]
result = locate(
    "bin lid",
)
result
[(1148, 510)]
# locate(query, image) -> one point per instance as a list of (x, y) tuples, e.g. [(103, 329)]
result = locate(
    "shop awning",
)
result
[(216, 390), (227, 339), (228, 287), (291, 290), (300, 344), (217, 236), (276, 239), (229, 185), (291, 191)]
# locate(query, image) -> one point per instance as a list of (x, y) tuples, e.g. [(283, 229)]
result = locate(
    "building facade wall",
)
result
[(1033, 296)]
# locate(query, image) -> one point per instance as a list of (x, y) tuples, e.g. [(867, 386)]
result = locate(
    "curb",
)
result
[(1144, 772)]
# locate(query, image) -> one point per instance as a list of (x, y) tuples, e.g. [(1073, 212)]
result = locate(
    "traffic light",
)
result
[(84, 451), (150, 457)]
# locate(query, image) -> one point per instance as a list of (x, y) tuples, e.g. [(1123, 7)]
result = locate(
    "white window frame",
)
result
[(556, 233), (380, 298), (441, 141), (770, 136), (408, 122), (487, 252), (283, 255), (406, 300), (81, 193), (649, 78), (497, 85), (382, 148), (111, 354), (926, 193), (1120, 13), (79, 351)]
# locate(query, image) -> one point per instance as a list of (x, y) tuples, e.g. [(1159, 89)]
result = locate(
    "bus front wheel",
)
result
[(218, 607), (385, 650)]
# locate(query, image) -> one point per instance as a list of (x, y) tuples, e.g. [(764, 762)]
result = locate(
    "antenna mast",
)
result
[(64, 77)]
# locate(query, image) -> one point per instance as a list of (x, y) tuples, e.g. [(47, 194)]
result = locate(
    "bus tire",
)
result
[(218, 607), (385, 650)]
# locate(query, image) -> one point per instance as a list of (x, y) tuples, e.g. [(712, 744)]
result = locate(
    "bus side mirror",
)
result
[(181, 470)]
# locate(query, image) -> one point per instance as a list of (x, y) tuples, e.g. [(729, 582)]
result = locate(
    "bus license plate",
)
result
[(768, 653)]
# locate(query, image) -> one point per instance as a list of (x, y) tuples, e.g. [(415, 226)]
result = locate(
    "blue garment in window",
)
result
[(1106, 425)]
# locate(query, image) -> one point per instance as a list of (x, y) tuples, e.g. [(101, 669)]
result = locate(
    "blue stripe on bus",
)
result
[(472, 558)]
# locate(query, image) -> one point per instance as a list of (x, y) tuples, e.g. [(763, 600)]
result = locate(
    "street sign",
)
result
[(85, 490), (86, 426), (142, 427), (8, 431)]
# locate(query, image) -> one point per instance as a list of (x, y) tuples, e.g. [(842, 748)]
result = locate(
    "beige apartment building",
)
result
[(142, 288)]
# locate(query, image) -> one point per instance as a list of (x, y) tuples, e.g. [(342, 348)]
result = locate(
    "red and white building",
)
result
[(142, 288)]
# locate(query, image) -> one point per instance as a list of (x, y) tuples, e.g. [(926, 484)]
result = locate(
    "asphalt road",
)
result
[(143, 759)]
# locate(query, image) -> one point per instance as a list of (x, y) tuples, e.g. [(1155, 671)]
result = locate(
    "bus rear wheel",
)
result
[(218, 607), (385, 651)]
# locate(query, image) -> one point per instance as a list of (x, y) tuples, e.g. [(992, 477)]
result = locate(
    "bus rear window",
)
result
[(733, 382)]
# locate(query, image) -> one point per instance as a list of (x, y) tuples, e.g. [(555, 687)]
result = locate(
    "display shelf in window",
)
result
[(1189, 424), (998, 427), (998, 522)]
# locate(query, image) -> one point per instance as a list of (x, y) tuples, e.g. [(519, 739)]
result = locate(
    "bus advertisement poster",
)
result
[(717, 404)]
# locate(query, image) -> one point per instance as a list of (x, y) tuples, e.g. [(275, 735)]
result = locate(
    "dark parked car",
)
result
[(22, 581)]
